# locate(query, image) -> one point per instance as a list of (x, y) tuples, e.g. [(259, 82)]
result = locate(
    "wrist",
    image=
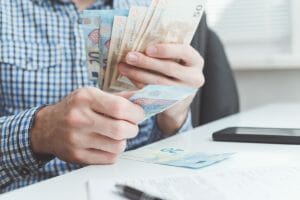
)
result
[(39, 133), (170, 124)]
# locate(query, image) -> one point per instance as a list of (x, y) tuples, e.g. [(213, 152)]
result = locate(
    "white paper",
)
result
[(255, 184)]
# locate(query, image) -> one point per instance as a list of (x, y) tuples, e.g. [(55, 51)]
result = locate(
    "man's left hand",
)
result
[(166, 64)]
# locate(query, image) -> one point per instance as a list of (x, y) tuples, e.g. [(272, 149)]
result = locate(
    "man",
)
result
[(52, 118)]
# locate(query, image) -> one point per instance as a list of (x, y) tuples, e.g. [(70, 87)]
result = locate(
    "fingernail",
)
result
[(122, 70), (152, 50), (131, 57)]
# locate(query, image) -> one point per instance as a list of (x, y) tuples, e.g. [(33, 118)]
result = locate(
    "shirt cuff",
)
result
[(18, 159)]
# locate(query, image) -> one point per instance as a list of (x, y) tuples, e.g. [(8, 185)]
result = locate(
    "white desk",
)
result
[(72, 185)]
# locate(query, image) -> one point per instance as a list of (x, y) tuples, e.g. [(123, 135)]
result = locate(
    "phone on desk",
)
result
[(259, 135)]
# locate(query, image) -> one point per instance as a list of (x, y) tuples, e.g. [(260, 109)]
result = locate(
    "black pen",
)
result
[(134, 194)]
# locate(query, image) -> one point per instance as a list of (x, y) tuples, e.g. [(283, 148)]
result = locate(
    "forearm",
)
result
[(151, 132), (169, 125), (171, 121)]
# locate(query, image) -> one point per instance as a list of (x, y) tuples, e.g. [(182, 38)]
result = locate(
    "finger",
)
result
[(146, 77), (112, 128), (187, 76), (125, 94), (93, 157), (103, 143), (138, 84), (165, 67), (186, 53), (116, 107)]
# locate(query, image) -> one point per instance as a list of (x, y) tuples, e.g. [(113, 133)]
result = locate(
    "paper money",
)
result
[(174, 21), (106, 24), (177, 157), (164, 21), (135, 19), (146, 22), (91, 28), (118, 31), (158, 98), (167, 21), (196, 160)]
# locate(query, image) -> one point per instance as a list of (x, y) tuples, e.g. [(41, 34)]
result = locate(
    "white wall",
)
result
[(260, 87), (259, 36)]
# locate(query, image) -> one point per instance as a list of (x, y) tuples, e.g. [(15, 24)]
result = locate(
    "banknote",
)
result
[(118, 31), (146, 21), (106, 24), (134, 22), (196, 160), (174, 21), (155, 99), (110, 35), (91, 26), (177, 157)]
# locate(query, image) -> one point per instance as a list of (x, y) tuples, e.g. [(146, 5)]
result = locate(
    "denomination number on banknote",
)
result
[(198, 11), (94, 57), (171, 150)]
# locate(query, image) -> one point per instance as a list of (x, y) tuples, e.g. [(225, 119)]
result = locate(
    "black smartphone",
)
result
[(259, 135)]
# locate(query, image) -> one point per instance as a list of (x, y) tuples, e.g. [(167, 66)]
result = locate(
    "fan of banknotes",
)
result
[(111, 34)]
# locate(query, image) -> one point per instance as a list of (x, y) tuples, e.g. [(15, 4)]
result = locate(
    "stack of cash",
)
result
[(111, 34)]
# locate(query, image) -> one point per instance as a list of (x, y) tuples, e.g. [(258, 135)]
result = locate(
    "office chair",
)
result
[(218, 97)]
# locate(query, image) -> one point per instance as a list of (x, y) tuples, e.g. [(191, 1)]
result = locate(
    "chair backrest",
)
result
[(218, 97)]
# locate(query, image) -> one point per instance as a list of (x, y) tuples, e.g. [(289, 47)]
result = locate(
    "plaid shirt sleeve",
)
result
[(17, 158)]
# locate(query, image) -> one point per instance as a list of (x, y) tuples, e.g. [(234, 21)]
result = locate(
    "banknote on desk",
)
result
[(177, 157)]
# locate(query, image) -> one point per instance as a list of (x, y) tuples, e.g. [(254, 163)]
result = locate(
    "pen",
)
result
[(134, 194)]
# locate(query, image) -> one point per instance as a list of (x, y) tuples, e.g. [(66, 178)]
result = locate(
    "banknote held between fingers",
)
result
[(181, 64), (86, 127), (167, 64)]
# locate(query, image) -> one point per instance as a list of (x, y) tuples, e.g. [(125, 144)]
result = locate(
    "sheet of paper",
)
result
[(248, 184)]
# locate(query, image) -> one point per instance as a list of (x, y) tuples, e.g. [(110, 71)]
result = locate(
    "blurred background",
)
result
[(262, 40)]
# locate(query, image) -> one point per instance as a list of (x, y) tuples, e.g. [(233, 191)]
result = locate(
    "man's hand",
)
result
[(87, 127), (166, 64)]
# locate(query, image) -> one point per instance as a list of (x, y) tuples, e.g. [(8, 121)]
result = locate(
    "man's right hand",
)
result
[(87, 127)]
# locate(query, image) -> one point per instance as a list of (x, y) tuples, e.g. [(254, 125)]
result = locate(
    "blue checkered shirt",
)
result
[(42, 59)]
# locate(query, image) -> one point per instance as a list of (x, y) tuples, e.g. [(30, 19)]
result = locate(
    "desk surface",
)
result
[(73, 185)]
